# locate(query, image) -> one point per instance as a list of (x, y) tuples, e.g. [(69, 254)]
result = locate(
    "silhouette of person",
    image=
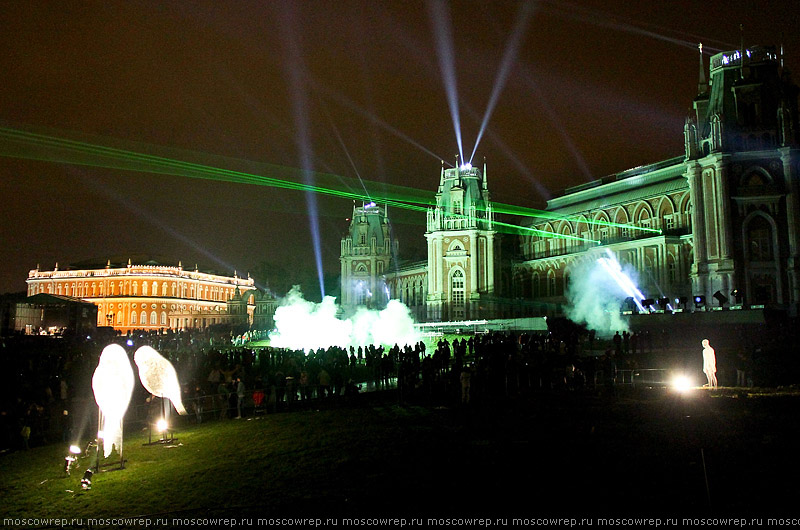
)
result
[(709, 364)]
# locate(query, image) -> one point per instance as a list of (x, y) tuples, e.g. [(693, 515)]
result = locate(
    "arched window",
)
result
[(163, 318), (144, 289), (135, 288), (536, 287), (759, 238), (457, 297), (143, 319), (133, 318), (164, 289), (153, 319), (551, 283)]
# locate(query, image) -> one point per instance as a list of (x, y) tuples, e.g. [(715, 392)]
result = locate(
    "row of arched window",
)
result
[(142, 320), (608, 226), (125, 288)]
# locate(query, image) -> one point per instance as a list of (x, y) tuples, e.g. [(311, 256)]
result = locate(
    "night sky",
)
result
[(583, 89)]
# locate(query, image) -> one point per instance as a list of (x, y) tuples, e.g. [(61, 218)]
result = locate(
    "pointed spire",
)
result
[(702, 85), (741, 51), (485, 181), (129, 262)]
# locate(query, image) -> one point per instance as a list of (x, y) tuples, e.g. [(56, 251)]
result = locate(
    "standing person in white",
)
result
[(709, 364)]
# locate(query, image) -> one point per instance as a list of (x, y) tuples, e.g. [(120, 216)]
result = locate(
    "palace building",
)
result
[(148, 295), (719, 223), (458, 280)]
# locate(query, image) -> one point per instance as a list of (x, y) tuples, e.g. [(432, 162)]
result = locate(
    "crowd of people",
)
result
[(47, 396)]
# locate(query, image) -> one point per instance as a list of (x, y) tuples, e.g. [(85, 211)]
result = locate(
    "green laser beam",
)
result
[(57, 149)]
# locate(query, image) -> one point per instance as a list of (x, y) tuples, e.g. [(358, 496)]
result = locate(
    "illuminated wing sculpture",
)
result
[(158, 376), (112, 383)]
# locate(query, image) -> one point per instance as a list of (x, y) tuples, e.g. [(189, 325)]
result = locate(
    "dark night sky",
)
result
[(595, 87)]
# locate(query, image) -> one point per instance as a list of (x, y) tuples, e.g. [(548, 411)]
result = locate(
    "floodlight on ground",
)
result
[(71, 458), (681, 383), (721, 298), (699, 301), (86, 481), (161, 425)]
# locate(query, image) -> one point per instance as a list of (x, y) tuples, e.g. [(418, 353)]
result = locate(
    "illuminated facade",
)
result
[(457, 282), (366, 251), (151, 296), (728, 208), (720, 221), (462, 247)]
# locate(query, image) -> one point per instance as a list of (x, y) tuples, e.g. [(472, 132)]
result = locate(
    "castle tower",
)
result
[(366, 252), (462, 247), (741, 166)]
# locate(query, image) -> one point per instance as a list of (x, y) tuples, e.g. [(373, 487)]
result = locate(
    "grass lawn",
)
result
[(648, 453)]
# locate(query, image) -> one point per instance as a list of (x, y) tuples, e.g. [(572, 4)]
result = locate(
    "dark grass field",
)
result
[(648, 452)]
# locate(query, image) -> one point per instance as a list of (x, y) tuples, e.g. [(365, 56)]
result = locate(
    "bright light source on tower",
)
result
[(466, 166)]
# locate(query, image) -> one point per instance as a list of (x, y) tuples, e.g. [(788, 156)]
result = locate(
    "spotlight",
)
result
[(71, 458), (86, 481), (721, 298), (737, 295), (129, 343), (647, 302), (681, 383), (699, 301), (161, 425), (663, 303)]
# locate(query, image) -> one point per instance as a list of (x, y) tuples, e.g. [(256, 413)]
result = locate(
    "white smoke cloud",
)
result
[(304, 325), (594, 297)]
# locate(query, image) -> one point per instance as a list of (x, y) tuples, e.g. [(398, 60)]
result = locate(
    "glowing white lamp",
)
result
[(158, 376), (681, 383), (161, 425), (74, 449), (113, 385)]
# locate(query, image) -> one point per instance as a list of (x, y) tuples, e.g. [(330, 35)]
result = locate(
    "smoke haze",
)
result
[(304, 325), (594, 298)]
